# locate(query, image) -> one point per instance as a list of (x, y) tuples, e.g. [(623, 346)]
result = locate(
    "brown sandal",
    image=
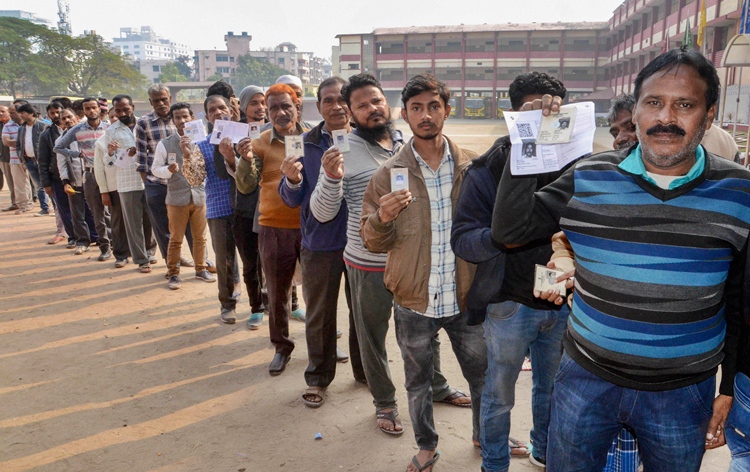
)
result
[(145, 269)]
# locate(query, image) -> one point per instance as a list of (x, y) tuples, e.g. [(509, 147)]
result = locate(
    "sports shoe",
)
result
[(71, 244), (104, 256), (44, 213), (538, 461), (255, 320), (120, 263), (298, 314), (56, 239), (205, 276), (228, 315), (80, 250), (174, 282)]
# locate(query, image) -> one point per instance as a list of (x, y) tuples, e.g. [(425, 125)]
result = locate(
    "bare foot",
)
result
[(423, 457), (388, 421)]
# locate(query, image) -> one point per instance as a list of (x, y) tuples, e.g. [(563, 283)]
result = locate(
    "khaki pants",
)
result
[(22, 186), (179, 216)]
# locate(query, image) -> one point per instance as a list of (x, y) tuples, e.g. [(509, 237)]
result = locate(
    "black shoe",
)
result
[(278, 364)]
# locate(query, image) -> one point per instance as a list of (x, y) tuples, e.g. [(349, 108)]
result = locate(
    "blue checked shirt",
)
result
[(623, 454), (217, 190), (443, 301), (148, 132)]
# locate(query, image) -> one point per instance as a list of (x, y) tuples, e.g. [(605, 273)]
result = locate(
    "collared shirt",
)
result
[(86, 137), (28, 145), (634, 164), (443, 300), (10, 130), (148, 132), (217, 189), (128, 178)]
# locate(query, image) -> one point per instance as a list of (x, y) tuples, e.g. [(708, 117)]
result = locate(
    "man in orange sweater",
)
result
[(280, 237)]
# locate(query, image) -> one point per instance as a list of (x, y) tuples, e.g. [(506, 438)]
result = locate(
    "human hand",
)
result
[(392, 204), (226, 148), (291, 167), (185, 145), (333, 163), (715, 436), (554, 295), (131, 151), (548, 104), (112, 147), (245, 149), (48, 191), (173, 168), (106, 200)]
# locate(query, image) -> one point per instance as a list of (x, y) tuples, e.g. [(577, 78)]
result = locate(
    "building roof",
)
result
[(583, 25)]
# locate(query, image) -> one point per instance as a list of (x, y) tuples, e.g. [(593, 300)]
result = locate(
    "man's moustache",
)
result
[(666, 129)]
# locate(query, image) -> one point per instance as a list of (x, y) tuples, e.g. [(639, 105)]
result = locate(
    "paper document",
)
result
[(195, 130), (229, 129), (123, 159), (528, 156)]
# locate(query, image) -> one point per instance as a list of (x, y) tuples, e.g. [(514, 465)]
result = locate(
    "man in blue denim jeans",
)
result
[(660, 235), (429, 283), (515, 321)]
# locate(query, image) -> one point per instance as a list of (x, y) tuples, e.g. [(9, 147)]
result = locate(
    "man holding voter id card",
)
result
[(660, 236)]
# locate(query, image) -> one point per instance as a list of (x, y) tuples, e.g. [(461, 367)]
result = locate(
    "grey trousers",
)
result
[(102, 220), (138, 226), (227, 272), (5, 166), (120, 247), (372, 304)]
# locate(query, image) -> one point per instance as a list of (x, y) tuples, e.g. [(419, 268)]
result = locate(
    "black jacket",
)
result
[(46, 157)]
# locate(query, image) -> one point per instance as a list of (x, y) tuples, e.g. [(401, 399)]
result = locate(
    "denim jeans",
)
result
[(415, 333), (738, 425), (33, 167), (588, 412), (510, 330)]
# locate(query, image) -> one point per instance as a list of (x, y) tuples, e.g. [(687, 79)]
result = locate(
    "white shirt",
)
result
[(28, 145)]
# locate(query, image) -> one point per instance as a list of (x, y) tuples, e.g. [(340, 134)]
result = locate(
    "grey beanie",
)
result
[(246, 94)]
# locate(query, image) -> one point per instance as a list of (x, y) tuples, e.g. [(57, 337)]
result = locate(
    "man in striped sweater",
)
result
[(660, 233)]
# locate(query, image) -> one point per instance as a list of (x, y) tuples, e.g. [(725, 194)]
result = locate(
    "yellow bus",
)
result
[(503, 105), (452, 103), (474, 108)]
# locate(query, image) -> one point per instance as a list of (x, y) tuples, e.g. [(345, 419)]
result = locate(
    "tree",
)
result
[(183, 65), (253, 71), (18, 62), (214, 78), (170, 72)]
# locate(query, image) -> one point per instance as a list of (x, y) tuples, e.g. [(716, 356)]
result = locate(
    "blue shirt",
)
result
[(217, 190), (634, 164)]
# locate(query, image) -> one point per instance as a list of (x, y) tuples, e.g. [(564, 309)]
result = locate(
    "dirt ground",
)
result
[(105, 369)]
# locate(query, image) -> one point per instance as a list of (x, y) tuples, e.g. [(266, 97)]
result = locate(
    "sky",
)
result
[(308, 24)]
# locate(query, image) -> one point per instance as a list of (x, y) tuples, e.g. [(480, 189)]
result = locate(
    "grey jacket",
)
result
[(179, 191)]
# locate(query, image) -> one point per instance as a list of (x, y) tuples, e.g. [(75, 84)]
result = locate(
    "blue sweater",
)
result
[(660, 273), (316, 236)]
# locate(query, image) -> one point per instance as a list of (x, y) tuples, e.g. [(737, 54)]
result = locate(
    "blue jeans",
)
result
[(588, 412), (510, 330), (33, 168), (415, 333), (738, 425)]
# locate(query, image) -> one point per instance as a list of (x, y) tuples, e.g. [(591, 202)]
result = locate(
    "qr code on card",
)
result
[(524, 130)]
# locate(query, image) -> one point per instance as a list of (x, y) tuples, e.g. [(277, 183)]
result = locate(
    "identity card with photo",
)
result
[(557, 128), (122, 159), (341, 139), (546, 279), (253, 130), (294, 146), (171, 158), (399, 179), (195, 130)]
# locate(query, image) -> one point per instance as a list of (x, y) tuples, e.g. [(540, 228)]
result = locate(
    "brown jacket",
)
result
[(407, 239)]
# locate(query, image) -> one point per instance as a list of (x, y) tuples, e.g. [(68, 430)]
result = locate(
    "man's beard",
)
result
[(685, 153), (625, 145), (376, 133), (126, 120)]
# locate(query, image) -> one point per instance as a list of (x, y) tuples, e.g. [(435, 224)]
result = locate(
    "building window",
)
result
[(231, 58), (478, 73), (448, 73), (222, 58), (391, 75), (353, 66), (480, 45), (545, 44), (448, 45), (389, 47), (511, 45), (222, 70), (419, 46), (137, 46), (155, 68)]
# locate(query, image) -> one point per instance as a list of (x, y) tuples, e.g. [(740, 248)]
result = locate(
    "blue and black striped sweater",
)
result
[(660, 273)]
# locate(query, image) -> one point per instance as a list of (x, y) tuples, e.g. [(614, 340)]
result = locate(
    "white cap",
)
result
[(289, 80)]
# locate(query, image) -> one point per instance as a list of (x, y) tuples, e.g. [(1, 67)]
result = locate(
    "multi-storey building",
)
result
[(143, 44), (25, 15), (304, 65), (209, 62), (479, 62)]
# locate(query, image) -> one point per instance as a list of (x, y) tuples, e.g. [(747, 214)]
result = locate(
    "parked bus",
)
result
[(503, 105), (474, 108), (452, 103)]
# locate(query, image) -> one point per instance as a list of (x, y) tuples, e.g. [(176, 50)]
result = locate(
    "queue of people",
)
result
[(652, 238)]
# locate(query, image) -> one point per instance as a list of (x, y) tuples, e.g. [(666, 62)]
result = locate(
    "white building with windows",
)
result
[(143, 44)]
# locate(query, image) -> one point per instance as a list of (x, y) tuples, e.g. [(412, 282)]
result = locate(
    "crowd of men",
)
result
[(652, 236)]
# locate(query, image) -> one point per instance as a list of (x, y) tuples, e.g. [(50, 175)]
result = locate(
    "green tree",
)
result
[(19, 65), (170, 72), (252, 71), (183, 65), (214, 78)]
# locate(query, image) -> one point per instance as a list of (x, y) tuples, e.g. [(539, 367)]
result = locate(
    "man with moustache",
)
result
[(322, 248), (27, 147), (660, 257), (84, 135), (344, 178), (5, 160), (125, 195)]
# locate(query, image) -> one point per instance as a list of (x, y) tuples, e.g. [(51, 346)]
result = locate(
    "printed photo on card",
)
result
[(171, 158), (294, 146), (253, 130), (122, 158), (558, 127), (399, 179), (341, 140), (195, 130), (546, 279)]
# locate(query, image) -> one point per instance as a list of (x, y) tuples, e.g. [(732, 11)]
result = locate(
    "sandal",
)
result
[(145, 269), (390, 416), (516, 446), (310, 395), (451, 399), (427, 464)]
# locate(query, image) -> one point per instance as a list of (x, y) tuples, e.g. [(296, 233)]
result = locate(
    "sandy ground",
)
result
[(105, 369)]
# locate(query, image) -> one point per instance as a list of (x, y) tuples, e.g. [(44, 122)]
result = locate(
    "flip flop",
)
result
[(145, 269), (427, 464), (390, 416), (451, 399), (515, 444), (314, 392)]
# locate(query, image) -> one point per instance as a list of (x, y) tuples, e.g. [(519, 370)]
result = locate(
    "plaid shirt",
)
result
[(442, 283), (149, 131), (623, 454), (86, 137), (217, 190), (11, 131)]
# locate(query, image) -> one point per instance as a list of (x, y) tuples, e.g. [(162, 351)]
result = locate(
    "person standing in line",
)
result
[(5, 160)]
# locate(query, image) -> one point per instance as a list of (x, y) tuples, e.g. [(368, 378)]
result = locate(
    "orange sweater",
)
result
[(270, 152)]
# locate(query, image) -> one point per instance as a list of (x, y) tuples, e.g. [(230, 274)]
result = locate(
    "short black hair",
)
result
[(20, 101), (89, 99), (54, 104), (26, 108), (64, 101), (534, 83), (122, 96), (210, 99), (180, 106), (328, 82), (623, 102), (675, 58), (77, 105), (220, 88), (357, 82), (425, 83)]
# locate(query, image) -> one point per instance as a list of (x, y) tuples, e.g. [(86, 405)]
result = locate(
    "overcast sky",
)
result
[(202, 25)]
